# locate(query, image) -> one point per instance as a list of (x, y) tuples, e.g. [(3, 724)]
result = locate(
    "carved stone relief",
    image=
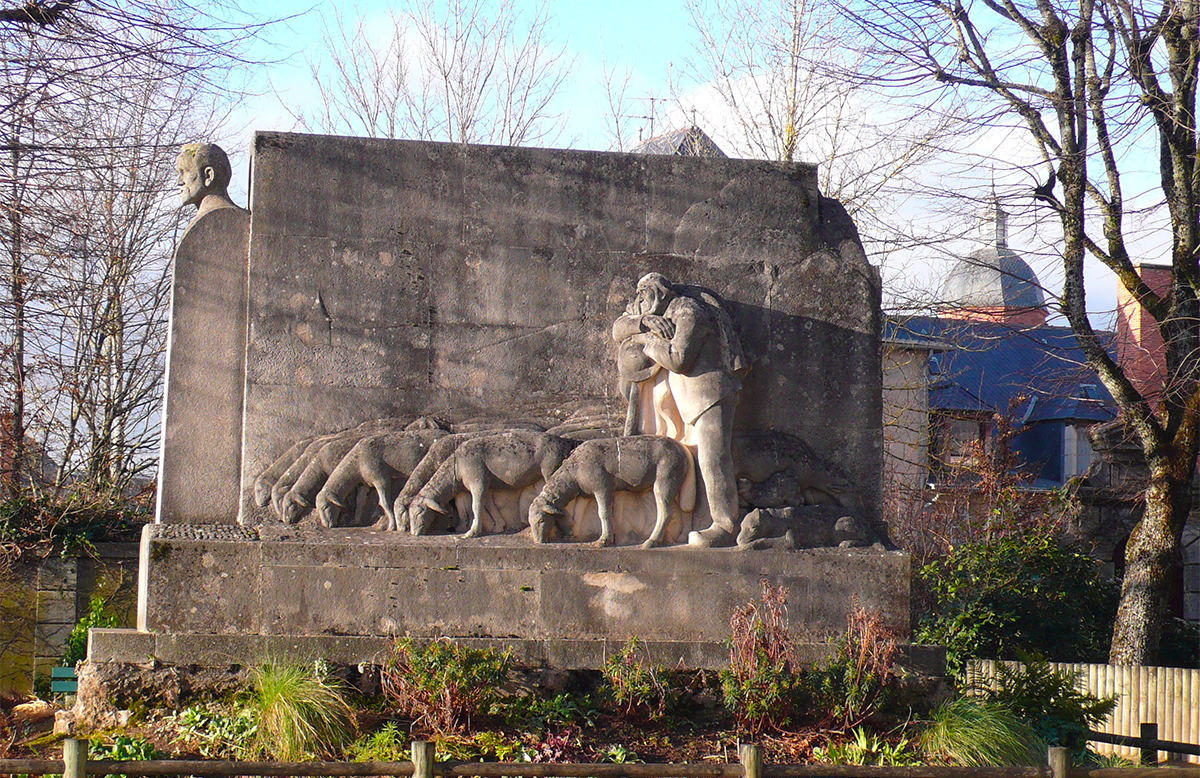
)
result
[(679, 474)]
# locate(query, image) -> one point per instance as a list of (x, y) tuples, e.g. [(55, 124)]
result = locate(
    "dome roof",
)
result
[(994, 276)]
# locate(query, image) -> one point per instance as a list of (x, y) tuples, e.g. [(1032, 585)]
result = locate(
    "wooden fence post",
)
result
[(422, 758), (750, 756), (1148, 732), (74, 758), (1060, 761)]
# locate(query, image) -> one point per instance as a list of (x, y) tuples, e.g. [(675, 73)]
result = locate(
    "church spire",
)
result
[(993, 229)]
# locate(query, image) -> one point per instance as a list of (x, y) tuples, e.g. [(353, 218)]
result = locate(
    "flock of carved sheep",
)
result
[(409, 472)]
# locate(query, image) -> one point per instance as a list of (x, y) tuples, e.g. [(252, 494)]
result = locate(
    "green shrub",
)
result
[(1048, 700), (853, 683), (974, 733), (443, 684), (1026, 592), (635, 684), (301, 712), (538, 713), (98, 615), (762, 682), (1180, 646), (217, 733)]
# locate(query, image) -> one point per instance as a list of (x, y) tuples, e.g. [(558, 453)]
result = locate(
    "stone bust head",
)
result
[(204, 174)]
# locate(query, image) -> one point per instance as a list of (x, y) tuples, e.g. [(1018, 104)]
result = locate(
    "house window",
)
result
[(1077, 450), (957, 441)]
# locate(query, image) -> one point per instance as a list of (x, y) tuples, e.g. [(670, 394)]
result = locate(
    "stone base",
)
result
[(234, 652), (217, 595)]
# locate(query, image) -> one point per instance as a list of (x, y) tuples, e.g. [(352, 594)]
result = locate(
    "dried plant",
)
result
[(443, 684), (762, 681), (854, 683)]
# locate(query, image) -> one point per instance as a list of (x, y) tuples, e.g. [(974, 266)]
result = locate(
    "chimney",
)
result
[(1140, 349)]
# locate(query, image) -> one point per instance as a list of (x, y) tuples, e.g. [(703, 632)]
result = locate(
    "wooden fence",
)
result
[(75, 764), (1167, 696)]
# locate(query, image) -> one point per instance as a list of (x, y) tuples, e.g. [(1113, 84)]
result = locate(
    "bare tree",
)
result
[(94, 100), (616, 81), (466, 71), (786, 81), (1097, 85)]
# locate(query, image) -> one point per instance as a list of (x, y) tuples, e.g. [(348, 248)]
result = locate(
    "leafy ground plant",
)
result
[(974, 733), (868, 748), (443, 684), (618, 753), (762, 681), (481, 747), (853, 683), (216, 732), (386, 744), (122, 748), (635, 684), (538, 713), (1049, 700), (301, 712)]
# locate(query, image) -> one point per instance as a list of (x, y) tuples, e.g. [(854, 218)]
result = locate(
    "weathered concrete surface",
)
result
[(359, 583), (129, 648), (389, 278), (200, 457)]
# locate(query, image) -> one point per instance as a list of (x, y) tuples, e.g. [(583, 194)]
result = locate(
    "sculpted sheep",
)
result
[(438, 453), (600, 468), (375, 461), (273, 484), (268, 477), (298, 500), (509, 460), (807, 527), (285, 482)]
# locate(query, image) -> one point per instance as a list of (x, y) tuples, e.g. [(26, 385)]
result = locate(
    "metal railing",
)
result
[(75, 764)]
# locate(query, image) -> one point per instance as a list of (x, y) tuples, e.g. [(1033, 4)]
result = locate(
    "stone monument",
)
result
[(610, 392)]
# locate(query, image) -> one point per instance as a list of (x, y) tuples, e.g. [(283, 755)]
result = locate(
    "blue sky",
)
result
[(649, 35)]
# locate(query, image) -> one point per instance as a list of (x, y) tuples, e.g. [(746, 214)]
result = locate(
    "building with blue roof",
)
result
[(990, 352)]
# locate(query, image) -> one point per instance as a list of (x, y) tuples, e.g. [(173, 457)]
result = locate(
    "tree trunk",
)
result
[(1150, 555)]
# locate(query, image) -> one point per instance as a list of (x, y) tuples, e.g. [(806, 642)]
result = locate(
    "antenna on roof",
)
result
[(653, 111)]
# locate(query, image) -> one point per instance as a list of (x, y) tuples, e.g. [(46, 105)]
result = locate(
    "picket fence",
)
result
[(1167, 696)]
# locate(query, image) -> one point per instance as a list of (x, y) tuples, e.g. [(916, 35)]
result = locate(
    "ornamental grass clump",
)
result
[(973, 733), (301, 711)]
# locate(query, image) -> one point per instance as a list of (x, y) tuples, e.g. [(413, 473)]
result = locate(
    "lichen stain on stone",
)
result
[(386, 259), (207, 560), (305, 333)]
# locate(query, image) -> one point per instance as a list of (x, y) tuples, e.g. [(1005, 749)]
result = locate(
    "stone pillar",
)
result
[(200, 462)]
